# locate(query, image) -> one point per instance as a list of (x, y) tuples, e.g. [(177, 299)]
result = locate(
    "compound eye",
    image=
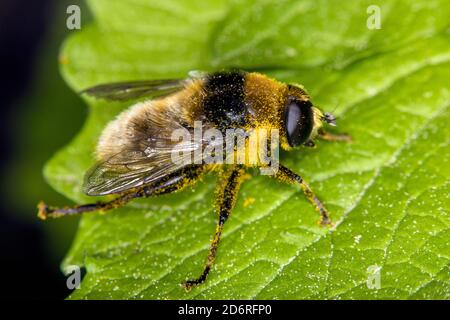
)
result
[(298, 121)]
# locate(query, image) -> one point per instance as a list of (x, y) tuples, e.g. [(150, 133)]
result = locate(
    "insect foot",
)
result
[(42, 210), (188, 285), (325, 221)]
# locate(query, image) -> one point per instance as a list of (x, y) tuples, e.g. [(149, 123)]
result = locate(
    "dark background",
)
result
[(39, 115)]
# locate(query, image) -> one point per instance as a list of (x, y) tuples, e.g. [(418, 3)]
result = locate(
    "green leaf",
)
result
[(388, 191)]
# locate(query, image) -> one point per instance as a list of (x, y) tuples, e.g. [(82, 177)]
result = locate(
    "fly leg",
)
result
[(226, 201), (173, 182), (324, 135), (286, 175), (46, 211)]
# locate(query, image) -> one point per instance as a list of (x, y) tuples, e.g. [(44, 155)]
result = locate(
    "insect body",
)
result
[(135, 151)]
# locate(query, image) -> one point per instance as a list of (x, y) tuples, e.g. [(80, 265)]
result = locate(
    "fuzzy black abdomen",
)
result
[(224, 101)]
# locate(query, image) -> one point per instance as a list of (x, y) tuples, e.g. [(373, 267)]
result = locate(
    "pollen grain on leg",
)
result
[(42, 210)]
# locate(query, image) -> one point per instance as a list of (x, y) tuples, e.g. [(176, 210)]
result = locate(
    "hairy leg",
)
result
[(173, 182), (226, 200), (324, 135), (286, 175)]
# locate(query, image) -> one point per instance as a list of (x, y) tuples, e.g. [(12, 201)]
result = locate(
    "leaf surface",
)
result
[(388, 191)]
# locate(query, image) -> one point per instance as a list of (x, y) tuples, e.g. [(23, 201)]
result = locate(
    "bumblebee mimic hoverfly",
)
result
[(135, 151)]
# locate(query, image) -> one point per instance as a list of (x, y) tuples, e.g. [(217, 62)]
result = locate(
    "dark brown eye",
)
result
[(298, 120)]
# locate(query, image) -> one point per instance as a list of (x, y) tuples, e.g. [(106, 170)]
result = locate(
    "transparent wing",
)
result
[(134, 89), (130, 168)]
